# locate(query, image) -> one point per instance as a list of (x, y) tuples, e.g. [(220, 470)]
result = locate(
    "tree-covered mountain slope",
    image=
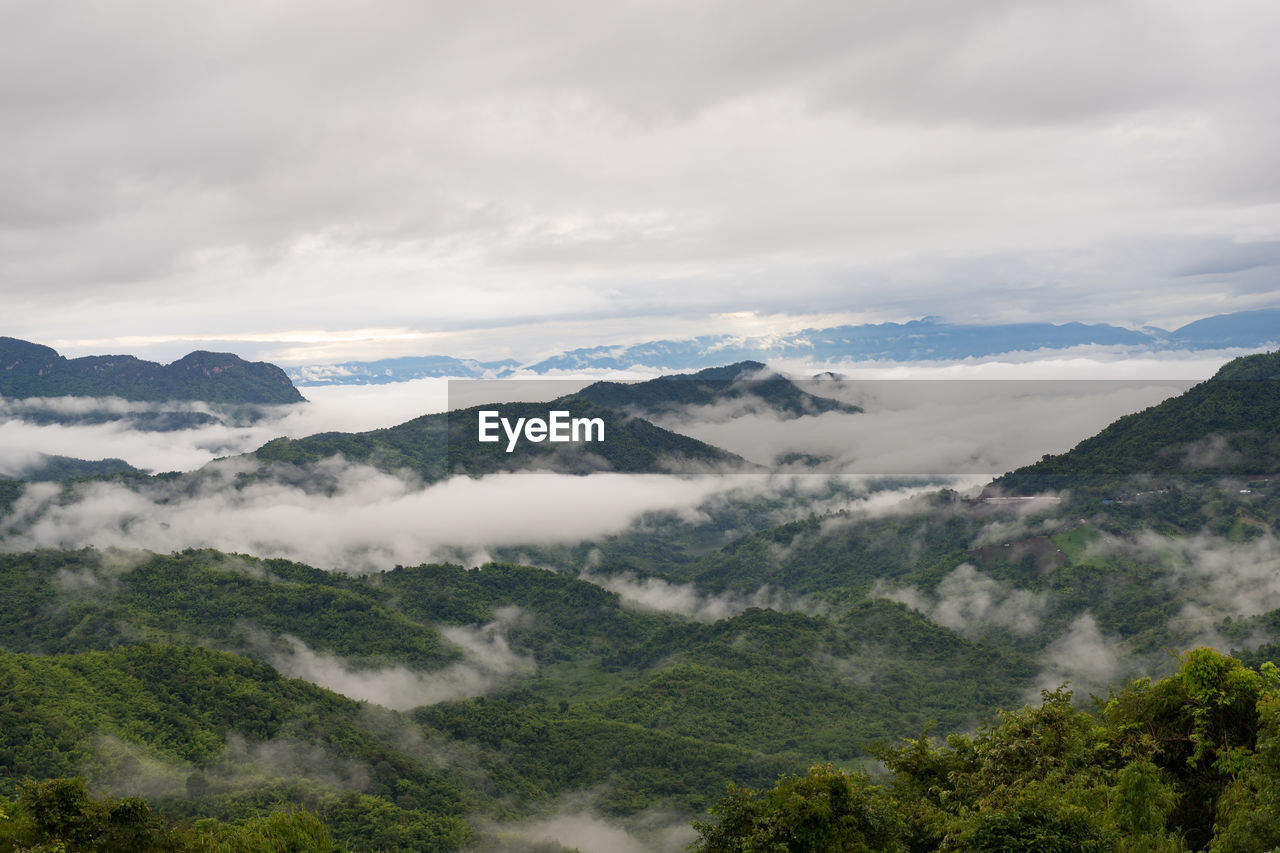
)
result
[(747, 383), (33, 370), (649, 709), (1226, 425), (213, 734)]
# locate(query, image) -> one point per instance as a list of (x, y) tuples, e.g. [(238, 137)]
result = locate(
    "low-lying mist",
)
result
[(922, 427), (367, 520), (487, 662)]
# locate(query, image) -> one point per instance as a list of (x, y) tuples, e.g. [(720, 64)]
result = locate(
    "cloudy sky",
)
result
[(319, 181)]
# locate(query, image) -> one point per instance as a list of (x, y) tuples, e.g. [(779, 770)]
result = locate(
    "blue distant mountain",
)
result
[(928, 339), (917, 340), (1241, 329), (398, 370)]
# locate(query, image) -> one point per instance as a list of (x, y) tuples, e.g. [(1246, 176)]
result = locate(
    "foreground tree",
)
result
[(1191, 762)]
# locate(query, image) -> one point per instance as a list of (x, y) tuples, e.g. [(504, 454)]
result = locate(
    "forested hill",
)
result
[(1226, 425), (439, 445), (33, 370), (745, 383)]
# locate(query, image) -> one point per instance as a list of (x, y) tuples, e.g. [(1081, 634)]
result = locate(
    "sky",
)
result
[(322, 181)]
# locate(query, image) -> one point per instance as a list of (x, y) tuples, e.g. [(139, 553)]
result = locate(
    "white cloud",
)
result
[(1084, 657), (1225, 578), (336, 408), (487, 662), (577, 824), (934, 426), (370, 520), (687, 600), (972, 603)]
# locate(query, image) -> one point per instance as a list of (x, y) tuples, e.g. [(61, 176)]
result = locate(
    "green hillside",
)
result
[(1227, 425), (109, 673), (219, 735)]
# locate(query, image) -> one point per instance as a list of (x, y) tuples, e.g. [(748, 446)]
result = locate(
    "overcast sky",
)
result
[(318, 181)]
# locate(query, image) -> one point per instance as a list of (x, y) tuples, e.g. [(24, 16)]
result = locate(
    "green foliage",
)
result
[(60, 815), (1190, 761), (285, 831), (824, 810), (54, 601), (1041, 824), (170, 713), (532, 752)]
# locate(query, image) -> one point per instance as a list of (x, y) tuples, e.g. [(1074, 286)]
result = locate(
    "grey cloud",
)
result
[(451, 159), (1084, 657), (933, 427)]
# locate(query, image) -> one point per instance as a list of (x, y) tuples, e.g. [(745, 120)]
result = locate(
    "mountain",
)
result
[(438, 445), (1241, 329), (1226, 425), (916, 340), (746, 382), (33, 370), (53, 468)]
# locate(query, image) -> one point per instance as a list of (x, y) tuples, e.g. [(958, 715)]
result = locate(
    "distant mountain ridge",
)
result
[(927, 339), (399, 370), (440, 445), (34, 370)]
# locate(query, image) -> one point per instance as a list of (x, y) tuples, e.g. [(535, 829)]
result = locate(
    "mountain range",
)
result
[(928, 339), (640, 672)]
